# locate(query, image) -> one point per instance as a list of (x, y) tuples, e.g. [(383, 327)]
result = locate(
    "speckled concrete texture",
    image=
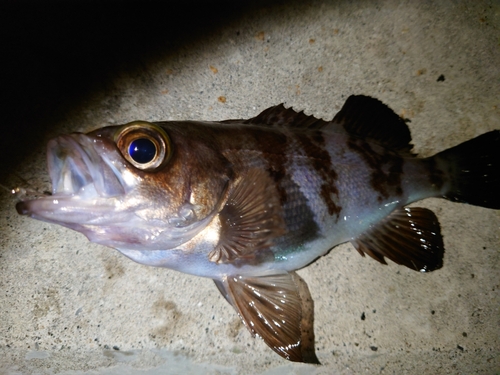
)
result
[(71, 307)]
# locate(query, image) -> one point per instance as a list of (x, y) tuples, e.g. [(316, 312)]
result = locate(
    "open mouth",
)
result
[(86, 174), (81, 165)]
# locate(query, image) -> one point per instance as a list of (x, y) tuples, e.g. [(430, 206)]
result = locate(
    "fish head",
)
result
[(141, 186)]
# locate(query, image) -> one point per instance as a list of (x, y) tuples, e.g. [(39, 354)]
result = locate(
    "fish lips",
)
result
[(88, 174)]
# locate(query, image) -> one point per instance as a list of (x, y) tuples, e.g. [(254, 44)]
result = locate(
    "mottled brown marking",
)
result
[(387, 168), (278, 174), (273, 146), (313, 146), (265, 147)]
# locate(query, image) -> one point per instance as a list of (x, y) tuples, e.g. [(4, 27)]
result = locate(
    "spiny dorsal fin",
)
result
[(408, 236), (251, 218), (283, 117), (366, 117), (278, 308)]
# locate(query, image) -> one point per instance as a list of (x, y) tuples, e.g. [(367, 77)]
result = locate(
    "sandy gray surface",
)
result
[(71, 307)]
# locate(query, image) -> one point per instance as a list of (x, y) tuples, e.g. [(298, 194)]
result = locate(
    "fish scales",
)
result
[(310, 170), (248, 202)]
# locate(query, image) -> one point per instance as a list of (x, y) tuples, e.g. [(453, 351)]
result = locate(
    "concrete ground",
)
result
[(71, 307)]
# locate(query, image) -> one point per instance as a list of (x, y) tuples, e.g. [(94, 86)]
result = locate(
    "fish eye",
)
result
[(142, 150), (144, 145)]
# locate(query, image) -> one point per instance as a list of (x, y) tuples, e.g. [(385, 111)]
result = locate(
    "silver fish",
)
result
[(248, 202)]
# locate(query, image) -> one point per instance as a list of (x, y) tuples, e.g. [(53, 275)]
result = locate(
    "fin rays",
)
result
[(408, 236), (250, 220), (277, 308)]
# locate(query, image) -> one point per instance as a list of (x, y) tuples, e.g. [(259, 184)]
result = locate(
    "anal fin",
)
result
[(408, 236), (278, 308)]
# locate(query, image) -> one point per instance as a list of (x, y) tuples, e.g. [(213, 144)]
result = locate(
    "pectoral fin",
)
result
[(408, 236), (277, 308), (251, 218)]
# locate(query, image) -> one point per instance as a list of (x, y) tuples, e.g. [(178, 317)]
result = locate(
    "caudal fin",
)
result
[(474, 168)]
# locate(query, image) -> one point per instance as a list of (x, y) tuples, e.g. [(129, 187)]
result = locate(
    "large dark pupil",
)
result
[(142, 150)]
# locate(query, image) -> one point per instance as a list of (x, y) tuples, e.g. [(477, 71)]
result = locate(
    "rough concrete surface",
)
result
[(71, 307)]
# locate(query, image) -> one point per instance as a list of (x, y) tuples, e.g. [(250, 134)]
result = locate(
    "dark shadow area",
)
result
[(55, 54)]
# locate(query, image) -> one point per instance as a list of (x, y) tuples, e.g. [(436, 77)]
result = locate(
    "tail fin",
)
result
[(475, 171)]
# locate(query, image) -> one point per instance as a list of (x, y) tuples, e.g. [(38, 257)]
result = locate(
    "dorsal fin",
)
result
[(366, 117), (361, 116), (284, 117)]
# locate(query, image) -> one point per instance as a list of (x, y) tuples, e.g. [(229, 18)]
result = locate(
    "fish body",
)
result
[(324, 191), (248, 202)]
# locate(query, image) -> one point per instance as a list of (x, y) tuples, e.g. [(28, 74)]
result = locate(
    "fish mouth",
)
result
[(80, 164), (88, 174)]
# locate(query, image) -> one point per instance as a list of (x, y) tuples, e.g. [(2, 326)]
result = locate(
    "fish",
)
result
[(248, 202)]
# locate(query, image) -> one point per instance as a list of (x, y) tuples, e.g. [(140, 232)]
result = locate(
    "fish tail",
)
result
[(474, 171)]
